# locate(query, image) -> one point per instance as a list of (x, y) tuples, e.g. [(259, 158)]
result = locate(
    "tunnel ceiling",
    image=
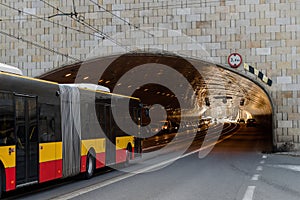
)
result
[(220, 87)]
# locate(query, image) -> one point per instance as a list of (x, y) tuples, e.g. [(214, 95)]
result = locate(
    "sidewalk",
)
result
[(291, 153)]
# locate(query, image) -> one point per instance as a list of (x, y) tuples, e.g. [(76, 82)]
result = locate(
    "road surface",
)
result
[(236, 168)]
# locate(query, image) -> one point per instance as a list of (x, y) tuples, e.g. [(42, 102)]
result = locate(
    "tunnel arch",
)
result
[(267, 91), (217, 76)]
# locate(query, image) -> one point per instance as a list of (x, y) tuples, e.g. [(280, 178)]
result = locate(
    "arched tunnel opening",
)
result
[(216, 93)]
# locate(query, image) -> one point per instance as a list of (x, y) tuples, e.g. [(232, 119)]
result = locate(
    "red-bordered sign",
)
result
[(235, 60)]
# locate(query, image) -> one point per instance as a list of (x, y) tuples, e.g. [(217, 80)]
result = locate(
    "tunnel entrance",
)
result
[(217, 93)]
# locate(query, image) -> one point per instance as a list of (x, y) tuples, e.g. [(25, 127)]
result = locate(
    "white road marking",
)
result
[(259, 168), (113, 180), (249, 193), (264, 156), (125, 176), (255, 177), (262, 162), (289, 167)]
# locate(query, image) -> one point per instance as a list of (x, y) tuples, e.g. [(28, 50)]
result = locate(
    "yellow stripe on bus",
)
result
[(122, 142), (97, 144), (29, 78), (50, 151), (8, 156)]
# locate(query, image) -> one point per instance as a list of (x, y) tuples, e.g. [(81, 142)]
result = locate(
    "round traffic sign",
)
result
[(235, 60)]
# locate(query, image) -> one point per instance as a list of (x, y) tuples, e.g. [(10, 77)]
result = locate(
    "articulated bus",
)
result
[(51, 131)]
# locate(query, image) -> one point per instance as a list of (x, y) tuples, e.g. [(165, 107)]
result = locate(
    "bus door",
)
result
[(27, 140), (111, 139)]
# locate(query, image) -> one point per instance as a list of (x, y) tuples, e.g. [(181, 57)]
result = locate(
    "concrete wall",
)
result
[(265, 32)]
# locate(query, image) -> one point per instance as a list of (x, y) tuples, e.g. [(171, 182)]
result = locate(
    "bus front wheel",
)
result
[(90, 166)]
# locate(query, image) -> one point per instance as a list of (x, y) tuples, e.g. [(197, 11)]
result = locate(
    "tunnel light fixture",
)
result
[(85, 78), (223, 97), (107, 82), (67, 75), (146, 89), (207, 103), (157, 92), (242, 102), (100, 81)]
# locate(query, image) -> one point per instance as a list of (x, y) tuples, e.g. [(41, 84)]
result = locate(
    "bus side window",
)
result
[(6, 133), (6, 119), (47, 124)]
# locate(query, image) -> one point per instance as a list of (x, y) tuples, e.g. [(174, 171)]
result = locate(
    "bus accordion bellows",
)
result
[(50, 131)]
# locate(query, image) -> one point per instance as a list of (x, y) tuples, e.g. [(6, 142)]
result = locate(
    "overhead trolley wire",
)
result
[(38, 45), (74, 16), (44, 19), (120, 18), (168, 5)]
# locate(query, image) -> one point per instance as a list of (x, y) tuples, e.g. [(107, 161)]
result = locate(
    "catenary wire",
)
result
[(120, 18), (44, 19), (89, 26), (38, 45)]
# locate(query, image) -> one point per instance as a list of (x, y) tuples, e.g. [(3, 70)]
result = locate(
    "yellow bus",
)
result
[(51, 131)]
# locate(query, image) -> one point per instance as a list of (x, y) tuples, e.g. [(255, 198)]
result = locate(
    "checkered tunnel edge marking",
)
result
[(258, 73)]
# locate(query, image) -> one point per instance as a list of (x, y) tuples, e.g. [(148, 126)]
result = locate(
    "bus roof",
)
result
[(98, 89), (91, 86), (10, 69), (83, 86), (27, 77)]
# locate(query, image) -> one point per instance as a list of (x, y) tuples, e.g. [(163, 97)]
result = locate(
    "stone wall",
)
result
[(265, 32)]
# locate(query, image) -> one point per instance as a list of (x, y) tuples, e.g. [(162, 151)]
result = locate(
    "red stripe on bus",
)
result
[(10, 175), (50, 170), (100, 160), (120, 156), (83, 163)]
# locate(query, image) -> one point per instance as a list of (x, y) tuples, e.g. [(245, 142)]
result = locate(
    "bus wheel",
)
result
[(90, 166)]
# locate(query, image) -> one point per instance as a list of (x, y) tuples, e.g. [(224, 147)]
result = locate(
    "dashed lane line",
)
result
[(259, 168), (250, 190), (249, 193), (255, 177)]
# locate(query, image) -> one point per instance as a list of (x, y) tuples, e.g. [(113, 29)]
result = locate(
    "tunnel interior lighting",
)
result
[(207, 103), (242, 102)]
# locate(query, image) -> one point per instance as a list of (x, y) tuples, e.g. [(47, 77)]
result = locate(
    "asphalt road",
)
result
[(236, 168)]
